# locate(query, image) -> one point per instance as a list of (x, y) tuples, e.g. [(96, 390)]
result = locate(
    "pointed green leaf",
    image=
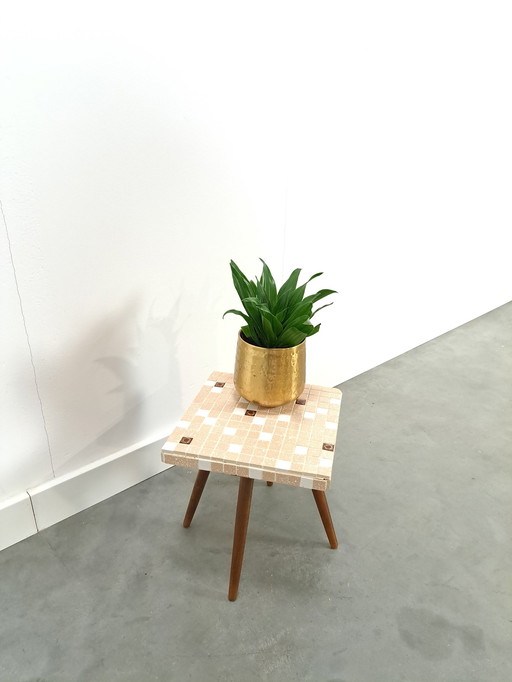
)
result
[(253, 289), (297, 320), (291, 283), (251, 306), (309, 329), (236, 312), (252, 335), (277, 327), (318, 309), (297, 296), (239, 280), (313, 298), (269, 285), (270, 337), (323, 293), (290, 337)]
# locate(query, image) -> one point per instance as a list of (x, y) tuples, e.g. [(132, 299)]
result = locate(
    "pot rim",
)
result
[(264, 348)]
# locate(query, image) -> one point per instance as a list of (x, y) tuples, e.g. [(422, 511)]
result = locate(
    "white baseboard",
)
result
[(16, 520), (51, 502)]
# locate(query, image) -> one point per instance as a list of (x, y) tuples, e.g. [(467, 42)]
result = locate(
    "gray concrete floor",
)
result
[(420, 588)]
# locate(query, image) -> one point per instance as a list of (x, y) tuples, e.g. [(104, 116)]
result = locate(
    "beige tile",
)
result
[(210, 443), (281, 478)]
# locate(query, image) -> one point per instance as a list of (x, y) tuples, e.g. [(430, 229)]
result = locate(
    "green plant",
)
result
[(276, 319)]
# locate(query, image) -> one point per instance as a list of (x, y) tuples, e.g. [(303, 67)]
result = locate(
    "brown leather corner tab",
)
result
[(250, 413), (220, 384), (328, 446), (300, 401), (186, 440)]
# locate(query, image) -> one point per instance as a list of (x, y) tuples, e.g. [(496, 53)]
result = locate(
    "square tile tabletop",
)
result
[(292, 444)]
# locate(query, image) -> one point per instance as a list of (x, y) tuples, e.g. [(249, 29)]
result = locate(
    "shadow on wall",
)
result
[(145, 389)]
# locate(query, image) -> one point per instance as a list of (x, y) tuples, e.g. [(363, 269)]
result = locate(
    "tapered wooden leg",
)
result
[(325, 515), (197, 491), (243, 509), (270, 483)]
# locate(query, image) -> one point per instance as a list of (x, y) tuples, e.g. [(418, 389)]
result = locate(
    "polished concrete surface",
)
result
[(419, 589)]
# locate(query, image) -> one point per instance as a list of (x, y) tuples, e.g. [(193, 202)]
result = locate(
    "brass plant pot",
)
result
[(269, 376)]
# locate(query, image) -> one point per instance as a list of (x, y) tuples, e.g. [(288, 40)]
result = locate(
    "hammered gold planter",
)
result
[(269, 376)]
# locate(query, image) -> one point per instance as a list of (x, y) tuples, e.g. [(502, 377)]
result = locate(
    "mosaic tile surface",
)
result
[(292, 444)]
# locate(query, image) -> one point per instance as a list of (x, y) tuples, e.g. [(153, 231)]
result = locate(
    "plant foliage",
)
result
[(276, 318)]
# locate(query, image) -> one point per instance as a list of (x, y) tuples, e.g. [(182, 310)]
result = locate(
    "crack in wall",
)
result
[(28, 339)]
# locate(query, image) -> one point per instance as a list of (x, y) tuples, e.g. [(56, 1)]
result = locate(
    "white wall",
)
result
[(144, 145), (399, 168), (24, 457), (137, 159)]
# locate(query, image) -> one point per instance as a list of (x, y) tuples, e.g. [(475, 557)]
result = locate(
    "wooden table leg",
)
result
[(243, 509), (325, 515), (197, 491)]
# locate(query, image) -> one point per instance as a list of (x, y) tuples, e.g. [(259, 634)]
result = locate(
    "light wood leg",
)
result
[(325, 515), (243, 510), (197, 491)]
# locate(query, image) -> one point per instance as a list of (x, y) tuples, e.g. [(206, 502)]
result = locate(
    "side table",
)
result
[(292, 444)]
